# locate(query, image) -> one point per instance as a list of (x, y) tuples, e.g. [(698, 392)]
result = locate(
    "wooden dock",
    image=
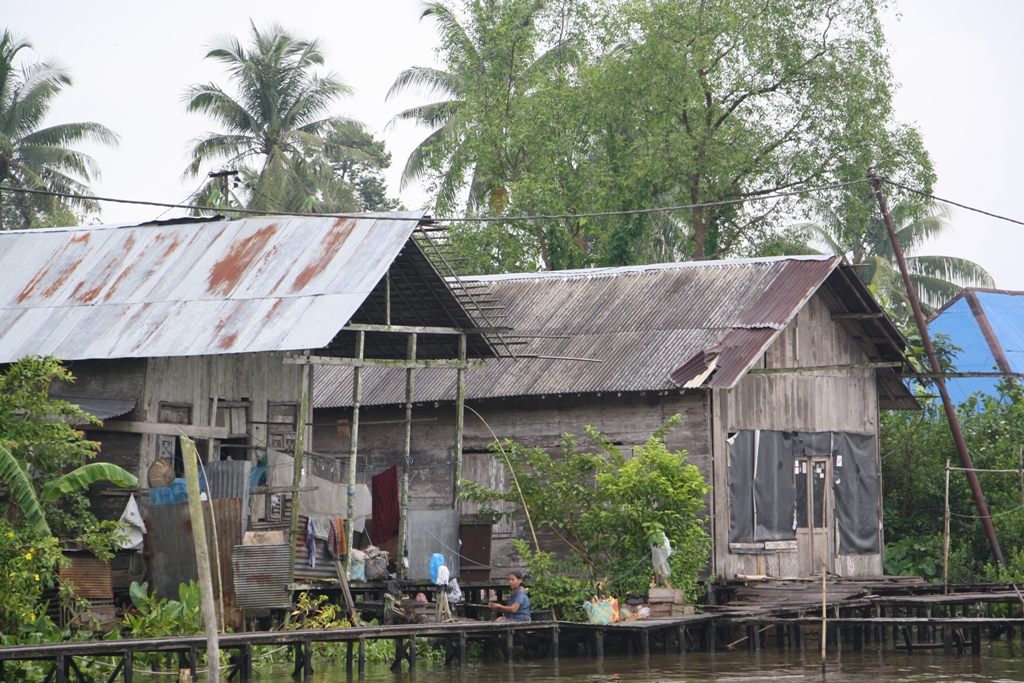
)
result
[(784, 614)]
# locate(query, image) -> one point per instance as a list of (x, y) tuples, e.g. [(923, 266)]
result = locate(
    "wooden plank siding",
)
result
[(628, 419), (832, 400)]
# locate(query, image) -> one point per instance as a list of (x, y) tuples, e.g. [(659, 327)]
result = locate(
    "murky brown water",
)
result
[(996, 665)]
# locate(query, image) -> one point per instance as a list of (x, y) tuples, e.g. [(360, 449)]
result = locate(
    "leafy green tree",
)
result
[(915, 447), (606, 509), (36, 157), (567, 107), (936, 279), (277, 129)]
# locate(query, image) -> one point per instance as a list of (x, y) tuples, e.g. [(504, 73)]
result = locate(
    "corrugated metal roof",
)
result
[(990, 334), (257, 284), (100, 408), (641, 322)]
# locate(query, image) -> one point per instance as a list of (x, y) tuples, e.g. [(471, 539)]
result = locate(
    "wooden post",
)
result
[(129, 666), (403, 493), (462, 648), (300, 437), (362, 657), (824, 569), (195, 508), (599, 644), (353, 449), (460, 413), (554, 641), (945, 538)]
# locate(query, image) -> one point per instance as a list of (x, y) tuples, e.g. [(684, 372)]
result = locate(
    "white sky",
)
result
[(958, 63)]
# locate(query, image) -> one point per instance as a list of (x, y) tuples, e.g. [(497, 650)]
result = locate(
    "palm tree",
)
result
[(276, 126), (471, 51), (937, 279), (40, 158)]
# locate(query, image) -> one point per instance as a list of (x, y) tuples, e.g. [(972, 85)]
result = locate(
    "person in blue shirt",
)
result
[(518, 607)]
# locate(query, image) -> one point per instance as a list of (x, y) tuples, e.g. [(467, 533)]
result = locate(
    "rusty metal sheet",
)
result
[(261, 576), (230, 479), (172, 549), (90, 576), (787, 293), (257, 284)]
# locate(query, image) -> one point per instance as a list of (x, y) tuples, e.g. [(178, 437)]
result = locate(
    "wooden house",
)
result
[(779, 368), (208, 327)]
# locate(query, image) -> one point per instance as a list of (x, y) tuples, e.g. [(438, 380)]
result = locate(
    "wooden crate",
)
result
[(659, 596)]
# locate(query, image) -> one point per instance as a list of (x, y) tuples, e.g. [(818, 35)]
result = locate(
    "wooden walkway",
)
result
[(786, 613)]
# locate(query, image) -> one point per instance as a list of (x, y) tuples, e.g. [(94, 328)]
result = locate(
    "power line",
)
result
[(950, 201), (462, 219), (511, 219)]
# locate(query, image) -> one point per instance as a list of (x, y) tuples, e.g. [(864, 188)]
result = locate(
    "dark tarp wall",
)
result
[(774, 488), (856, 484), (762, 491), (741, 480)]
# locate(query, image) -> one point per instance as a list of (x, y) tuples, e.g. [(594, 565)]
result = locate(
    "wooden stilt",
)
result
[(509, 645), (362, 657), (554, 642), (645, 644), (599, 644)]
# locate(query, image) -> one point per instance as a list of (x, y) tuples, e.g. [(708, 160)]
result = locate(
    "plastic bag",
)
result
[(454, 592), (605, 611), (659, 556), (436, 562), (357, 570)]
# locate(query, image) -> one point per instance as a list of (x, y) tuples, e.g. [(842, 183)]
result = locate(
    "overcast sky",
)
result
[(959, 64)]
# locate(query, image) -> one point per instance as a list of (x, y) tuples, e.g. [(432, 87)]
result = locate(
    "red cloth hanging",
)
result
[(386, 512)]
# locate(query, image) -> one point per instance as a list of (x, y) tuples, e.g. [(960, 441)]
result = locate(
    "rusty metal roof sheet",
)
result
[(257, 284), (641, 322)]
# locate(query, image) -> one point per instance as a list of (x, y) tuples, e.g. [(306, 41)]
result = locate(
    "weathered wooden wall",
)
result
[(827, 400), (255, 378), (629, 420)]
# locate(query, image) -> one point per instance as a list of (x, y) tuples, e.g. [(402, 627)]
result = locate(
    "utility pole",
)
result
[(940, 381), (225, 176)]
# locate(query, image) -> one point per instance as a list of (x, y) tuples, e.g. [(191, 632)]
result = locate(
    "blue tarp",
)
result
[(1005, 313), (175, 493)]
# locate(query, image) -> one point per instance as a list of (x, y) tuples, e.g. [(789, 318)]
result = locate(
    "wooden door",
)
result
[(813, 513)]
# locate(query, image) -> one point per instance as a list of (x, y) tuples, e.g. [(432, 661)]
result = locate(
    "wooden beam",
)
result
[(418, 329), (857, 316), (380, 362), (824, 368), (169, 428)]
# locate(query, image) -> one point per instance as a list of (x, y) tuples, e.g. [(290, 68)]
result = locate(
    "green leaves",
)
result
[(19, 484), (81, 478), (606, 507)]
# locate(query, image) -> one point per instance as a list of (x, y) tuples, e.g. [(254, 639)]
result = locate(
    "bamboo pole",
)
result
[(824, 565), (403, 517), (195, 510), (300, 437), (460, 421), (945, 538), (353, 448)]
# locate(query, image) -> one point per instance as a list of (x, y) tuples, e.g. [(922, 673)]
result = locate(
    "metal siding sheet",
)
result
[(433, 531), (258, 284), (230, 479), (172, 549), (91, 577), (261, 576), (100, 408)]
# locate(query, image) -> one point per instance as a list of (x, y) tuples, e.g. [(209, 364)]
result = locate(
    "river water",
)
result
[(995, 665)]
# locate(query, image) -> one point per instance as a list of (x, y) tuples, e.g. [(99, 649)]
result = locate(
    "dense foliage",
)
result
[(915, 448), (568, 106), (41, 157), (605, 509)]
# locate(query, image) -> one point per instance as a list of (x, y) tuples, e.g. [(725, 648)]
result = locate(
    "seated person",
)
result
[(518, 607)]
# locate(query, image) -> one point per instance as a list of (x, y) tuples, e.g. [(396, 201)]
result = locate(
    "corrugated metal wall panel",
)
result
[(90, 576), (261, 576), (172, 549), (230, 479), (433, 531)]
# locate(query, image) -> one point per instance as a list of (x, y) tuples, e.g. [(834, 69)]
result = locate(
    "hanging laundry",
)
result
[(311, 542), (385, 505)]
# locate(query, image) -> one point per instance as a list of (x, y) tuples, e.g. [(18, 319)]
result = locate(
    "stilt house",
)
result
[(208, 328), (779, 368)]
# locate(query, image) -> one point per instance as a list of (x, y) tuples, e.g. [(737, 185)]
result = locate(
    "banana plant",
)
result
[(22, 491)]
